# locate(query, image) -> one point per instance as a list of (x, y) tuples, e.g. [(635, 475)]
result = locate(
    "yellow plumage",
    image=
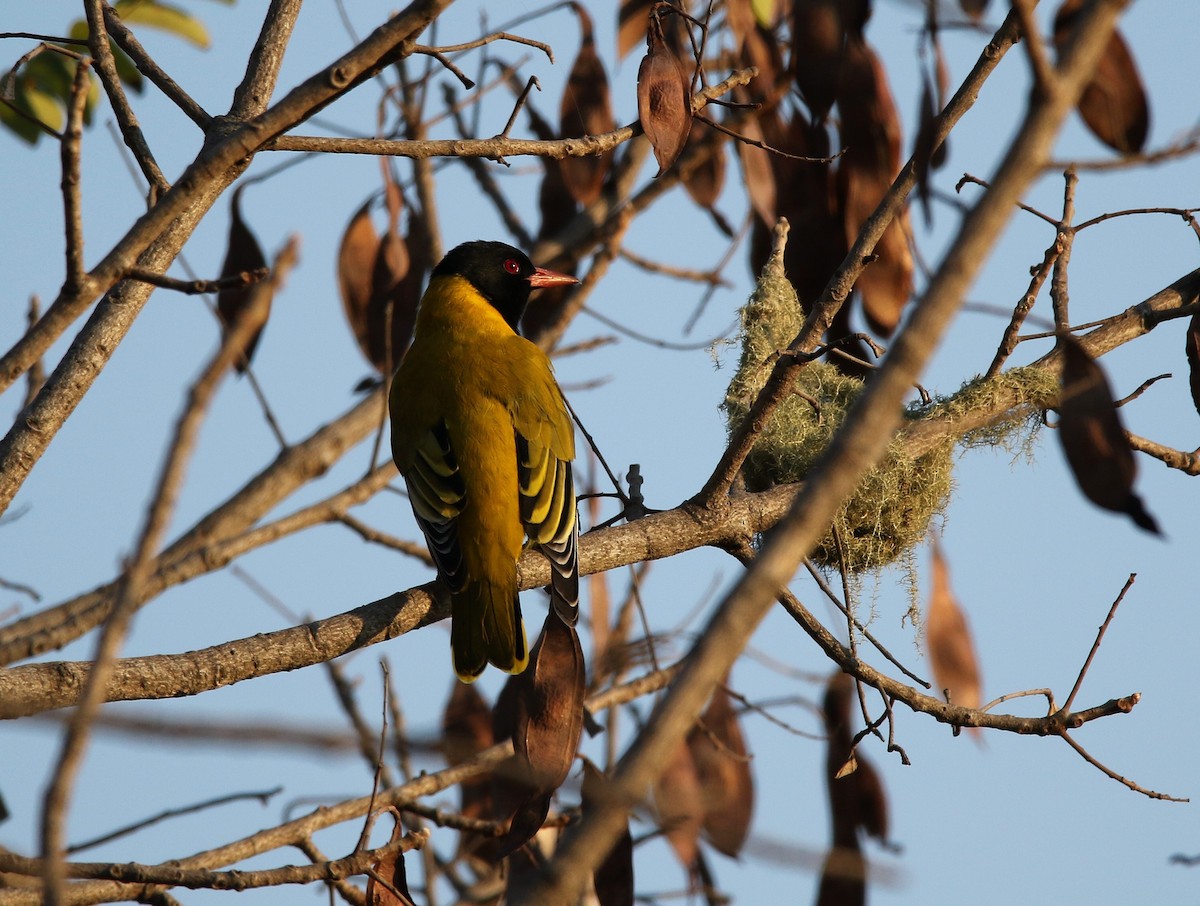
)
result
[(483, 439)]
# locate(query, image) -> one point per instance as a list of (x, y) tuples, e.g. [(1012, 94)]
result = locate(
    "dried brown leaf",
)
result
[(632, 21), (613, 877), (857, 800), (664, 99), (679, 801), (757, 173), (355, 266), (541, 709), (467, 731), (1093, 439), (843, 878), (723, 767), (1114, 105), (948, 638), (243, 253), (550, 708), (886, 282), (818, 42), (973, 8), (1192, 346), (391, 872), (706, 179), (586, 110)]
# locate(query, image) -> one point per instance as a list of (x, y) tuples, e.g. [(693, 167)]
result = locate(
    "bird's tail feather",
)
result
[(486, 626)]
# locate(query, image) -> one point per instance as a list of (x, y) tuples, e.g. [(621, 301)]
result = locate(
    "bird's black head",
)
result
[(503, 275)]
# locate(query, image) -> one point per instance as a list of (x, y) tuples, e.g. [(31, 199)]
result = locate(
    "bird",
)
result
[(481, 434)]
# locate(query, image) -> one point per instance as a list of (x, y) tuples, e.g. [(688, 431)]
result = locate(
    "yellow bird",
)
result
[(481, 434)]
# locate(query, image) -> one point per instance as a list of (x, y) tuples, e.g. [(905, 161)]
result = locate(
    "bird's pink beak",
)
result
[(542, 277)]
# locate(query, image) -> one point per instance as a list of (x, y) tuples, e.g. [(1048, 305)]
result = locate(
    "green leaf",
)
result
[(126, 71), (164, 17), (764, 12), (40, 104), (18, 125)]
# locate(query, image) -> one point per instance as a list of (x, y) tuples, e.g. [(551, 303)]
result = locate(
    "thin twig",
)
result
[(1112, 612), (198, 287), (1109, 772), (128, 42), (263, 797), (106, 69), (72, 141)]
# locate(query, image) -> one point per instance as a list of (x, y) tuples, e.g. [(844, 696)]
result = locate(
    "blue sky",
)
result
[(1034, 565)]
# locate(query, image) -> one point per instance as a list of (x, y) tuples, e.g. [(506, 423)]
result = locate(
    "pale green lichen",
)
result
[(890, 512)]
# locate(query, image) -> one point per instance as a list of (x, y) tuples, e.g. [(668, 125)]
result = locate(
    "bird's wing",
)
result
[(545, 448), (438, 494)]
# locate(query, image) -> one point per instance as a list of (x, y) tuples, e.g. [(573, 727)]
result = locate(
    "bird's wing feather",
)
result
[(438, 494), (545, 448)]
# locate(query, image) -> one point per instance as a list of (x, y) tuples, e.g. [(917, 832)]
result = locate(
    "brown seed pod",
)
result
[(1114, 105), (818, 42), (380, 280), (1192, 347), (613, 877), (632, 20), (1093, 439), (586, 110), (948, 638), (664, 99), (723, 766), (388, 874), (541, 709), (973, 8), (871, 134), (242, 254), (679, 801)]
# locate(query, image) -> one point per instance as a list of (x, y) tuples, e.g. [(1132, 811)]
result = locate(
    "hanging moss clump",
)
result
[(890, 511)]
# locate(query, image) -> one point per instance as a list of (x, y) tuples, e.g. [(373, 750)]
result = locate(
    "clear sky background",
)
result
[(1035, 566)]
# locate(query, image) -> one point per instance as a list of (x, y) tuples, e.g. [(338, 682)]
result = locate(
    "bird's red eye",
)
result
[(513, 266)]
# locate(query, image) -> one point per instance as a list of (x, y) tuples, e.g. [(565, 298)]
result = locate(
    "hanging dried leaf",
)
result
[(926, 157), (557, 208), (857, 800), (679, 801), (467, 731), (1093, 439), (886, 282), (1192, 342), (355, 266), (1114, 105), (389, 874), (380, 280), (951, 648), (723, 767), (855, 15), (871, 134), (632, 21), (818, 40), (973, 8), (243, 253), (550, 708), (586, 110), (757, 173), (843, 878), (704, 178), (613, 877), (542, 710), (664, 99)]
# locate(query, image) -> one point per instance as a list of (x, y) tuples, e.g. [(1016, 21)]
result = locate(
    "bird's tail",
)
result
[(486, 626)]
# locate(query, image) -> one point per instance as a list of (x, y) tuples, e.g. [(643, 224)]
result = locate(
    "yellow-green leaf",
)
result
[(167, 18), (764, 12)]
